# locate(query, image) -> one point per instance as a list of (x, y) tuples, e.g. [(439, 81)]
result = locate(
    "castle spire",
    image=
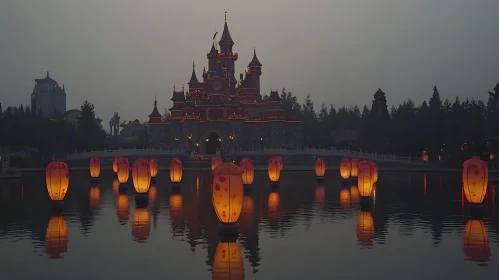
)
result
[(194, 78), (48, 76), (155, 116), (255, 62), (155, 102), (226, 39)]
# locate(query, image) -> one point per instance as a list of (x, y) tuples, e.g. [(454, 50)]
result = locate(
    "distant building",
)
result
[(48, 98), (71, 116)]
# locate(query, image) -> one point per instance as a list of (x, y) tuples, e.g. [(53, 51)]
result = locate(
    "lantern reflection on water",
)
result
[(175, 204), (345, 198), (227, 193), (365, 229), (345, 168), (248, 171), (153, 194), (116, 186), (319, 194), (56, 238), (57, 180), (475, 179), (94, 197), (141, 227), (273, 201), (476, 245), (228, 262), (354, 193), (354, 167), (320, 167), (94, 167), (123, 209)]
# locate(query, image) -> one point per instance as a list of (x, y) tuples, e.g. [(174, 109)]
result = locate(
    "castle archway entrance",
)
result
[(212, 143)]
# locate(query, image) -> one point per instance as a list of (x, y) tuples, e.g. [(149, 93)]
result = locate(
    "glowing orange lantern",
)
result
[(320, 167), (228, 262), (365, 229), (94, 167), (248, 171), (115, 163), (141, 175), (227, 190), (116, 186), (56, 238), (94, 197), (215, 161), (176, 170), (375, 172), (424, 157), (141, 227), (345, 198), (319, 194), (274, 170), (57, 179), (345, 168), (354, 193), (123, 170), (476, 245), (365, 180), (355, 166), (153, 166), (123, 209), (280, 161), (475, 179)]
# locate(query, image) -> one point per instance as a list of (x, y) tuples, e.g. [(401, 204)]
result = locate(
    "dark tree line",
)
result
[(22, 127), (450, 129)]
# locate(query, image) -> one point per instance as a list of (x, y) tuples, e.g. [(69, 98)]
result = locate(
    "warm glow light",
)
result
[(94, 167), (123, 170), (320, 167), (141, 175), (491, 156), (94, 197), (57, 179), (475, 179), (56, 238), (176, 208), (345, 198), (123, 209), (141, 227), (248, 171), (439, 157), (280, 161), (215, 162), (424, 157), (476, 245), (354, 193), (115, 163), (116, 186), (153, 166), (273, 201), (227, 192), (375, 171), (365, 180), (153, 194), (274, 170), (345, 168), (424, 184), (319, 194), (228, 262), (176, 170), (355, 167), (365, 229)]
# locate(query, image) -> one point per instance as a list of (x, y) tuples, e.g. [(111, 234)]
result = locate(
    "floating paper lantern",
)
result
[(115, 163), (248, 171), (56, 238), (57, 179), (476, 245), (227, 190), (153, 166), (424, 157), (116, 186), (365, 229), (354, 193), (320, 167), (475, 178), (141, 227), (280, 161), (123, 170), (274, 170), (94, 197), (319, 194), (345, 168), (141, 175), (176, 170), (228, 262), (355, 167), (94, 167), (123, 209), (375, 172), (365, 181), (215, 161), (345, 198)]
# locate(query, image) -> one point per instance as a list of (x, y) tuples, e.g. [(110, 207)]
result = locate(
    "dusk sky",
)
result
[(119, 54)]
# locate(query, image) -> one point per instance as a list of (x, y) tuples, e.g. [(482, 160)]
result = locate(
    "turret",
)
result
[(155, 116), (256, 70), (178, 99), (226, 42)]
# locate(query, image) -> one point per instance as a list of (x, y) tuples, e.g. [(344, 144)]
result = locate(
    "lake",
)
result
[(418, 228)]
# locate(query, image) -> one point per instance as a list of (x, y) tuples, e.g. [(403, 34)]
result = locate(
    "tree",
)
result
[(91, 135), (379, 123)]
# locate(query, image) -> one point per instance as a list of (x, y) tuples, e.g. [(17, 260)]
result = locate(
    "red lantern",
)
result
[(365, 180), (215, 161), (248, 171), (274, 170), (57, 179), (320, 167), (280, 161), (153, 165), (355, 166), (115, 163), (176, 170), (94, 167), (123, 170), (227, 192), (345, 168), (475, 179), (141, 175)]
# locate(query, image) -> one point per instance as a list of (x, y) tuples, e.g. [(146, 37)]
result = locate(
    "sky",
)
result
[(119, 54)]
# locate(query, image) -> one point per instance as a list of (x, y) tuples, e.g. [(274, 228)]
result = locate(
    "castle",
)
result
[(220, 112)]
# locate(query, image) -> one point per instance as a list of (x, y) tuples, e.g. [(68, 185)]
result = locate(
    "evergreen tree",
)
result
[(379, 123), (91, 135)]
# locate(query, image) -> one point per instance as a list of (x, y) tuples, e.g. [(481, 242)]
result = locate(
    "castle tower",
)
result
[(155, 116), (256, 71), (227, 56)]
